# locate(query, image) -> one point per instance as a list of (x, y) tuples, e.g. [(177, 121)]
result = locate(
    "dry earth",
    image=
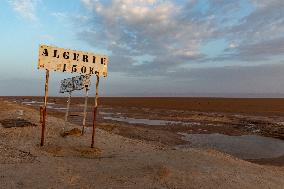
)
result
[(116, 162)]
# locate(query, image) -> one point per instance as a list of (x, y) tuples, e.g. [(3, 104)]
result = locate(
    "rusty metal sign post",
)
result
[(95, 111), (66, 60), (44, 107)]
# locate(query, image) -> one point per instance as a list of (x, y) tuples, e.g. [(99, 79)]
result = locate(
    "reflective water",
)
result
[(105, 113), (245, 147), (147, 121), (36, 102), (50, 105)]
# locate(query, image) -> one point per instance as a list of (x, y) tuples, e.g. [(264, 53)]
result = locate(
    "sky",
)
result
[(155, 47)]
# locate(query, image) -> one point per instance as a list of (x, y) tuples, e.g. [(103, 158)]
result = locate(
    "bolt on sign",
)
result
[(65, 60), (75, 83), (72, 61)]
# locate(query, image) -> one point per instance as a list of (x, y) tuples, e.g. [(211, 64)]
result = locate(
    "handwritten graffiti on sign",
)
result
[(75, 83), (65, 60)]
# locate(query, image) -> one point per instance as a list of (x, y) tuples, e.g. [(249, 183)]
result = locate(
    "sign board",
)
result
[(75, 83), (65, 60)]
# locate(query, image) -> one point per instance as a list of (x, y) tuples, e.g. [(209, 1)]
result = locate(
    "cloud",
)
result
[(261, 33), (153, 28), (259, 51), (260, 79), (173, 33), (212, 81), (48, 38), (59, 15), (26, 8)]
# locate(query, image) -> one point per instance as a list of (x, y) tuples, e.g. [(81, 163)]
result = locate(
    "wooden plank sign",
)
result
[(75, 83), (65, 60)]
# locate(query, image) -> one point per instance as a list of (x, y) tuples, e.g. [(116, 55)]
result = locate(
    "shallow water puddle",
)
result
[(145, 121), (36, 102), (105, 113), (50, 105), (245, 147)]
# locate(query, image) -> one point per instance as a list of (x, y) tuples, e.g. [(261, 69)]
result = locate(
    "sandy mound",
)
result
[(72, 132)]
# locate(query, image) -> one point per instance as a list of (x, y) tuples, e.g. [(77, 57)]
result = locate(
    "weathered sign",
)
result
[(75, 83), (65, 60)]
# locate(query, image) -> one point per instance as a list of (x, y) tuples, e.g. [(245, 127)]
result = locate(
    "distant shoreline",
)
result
[(154, 96), (251, 106)]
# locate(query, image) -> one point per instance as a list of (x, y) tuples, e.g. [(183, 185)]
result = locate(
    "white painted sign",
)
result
[(75, 83), (65, 60)]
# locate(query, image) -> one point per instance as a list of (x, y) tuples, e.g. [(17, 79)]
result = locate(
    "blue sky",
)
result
[(156, 47)]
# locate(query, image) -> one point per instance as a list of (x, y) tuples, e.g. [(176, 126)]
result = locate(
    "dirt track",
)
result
[(117, 162)]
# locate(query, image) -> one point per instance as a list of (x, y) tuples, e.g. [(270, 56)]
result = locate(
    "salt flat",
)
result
[(116, 162)]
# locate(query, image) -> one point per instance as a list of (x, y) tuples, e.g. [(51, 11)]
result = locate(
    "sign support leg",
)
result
[(85, 111), (68, 106), (44, 109), (95, 111)]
